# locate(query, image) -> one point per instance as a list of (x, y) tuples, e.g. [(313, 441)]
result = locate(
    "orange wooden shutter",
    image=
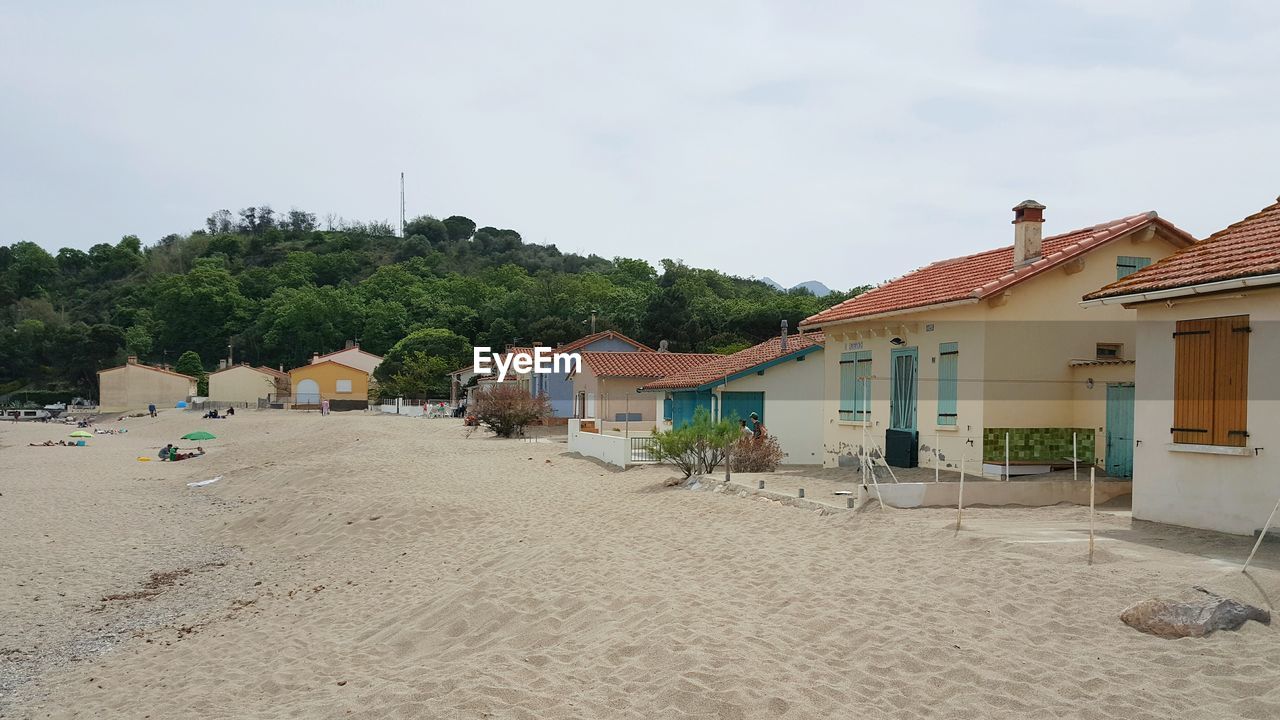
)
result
[(1193, 382), (1231, 380)]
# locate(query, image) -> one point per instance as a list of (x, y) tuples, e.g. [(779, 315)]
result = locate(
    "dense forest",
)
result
[(277, 287)]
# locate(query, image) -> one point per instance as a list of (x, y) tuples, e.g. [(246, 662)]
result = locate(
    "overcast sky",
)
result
[(838, 141)]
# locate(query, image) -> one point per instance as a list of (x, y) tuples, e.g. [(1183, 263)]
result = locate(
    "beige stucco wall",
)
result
[(1014, 359), (327, 376), (793, 401), (926, 332), (240, 384), (134, 387), (1228, 493)]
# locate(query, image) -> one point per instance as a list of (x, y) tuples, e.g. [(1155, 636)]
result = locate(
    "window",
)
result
[(1109, 351), (666, 407), (948, 379), (855, 386), (1210, 381), (1126, 265), (344, 386)]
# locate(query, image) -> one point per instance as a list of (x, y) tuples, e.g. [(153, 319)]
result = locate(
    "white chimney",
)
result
[(1028, 220)]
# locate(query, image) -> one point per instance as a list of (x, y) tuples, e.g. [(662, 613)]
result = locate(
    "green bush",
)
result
[(695, 448)]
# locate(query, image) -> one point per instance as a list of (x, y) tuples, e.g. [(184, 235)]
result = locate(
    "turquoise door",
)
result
[(1120, 429), (685, 404), (737, 406), (904, 369)]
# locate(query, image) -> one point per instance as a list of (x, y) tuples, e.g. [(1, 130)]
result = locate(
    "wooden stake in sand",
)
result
[(960, 505), (1261, 535), (1091, 474), (1006, 457), (937, 439), (1075, 456)]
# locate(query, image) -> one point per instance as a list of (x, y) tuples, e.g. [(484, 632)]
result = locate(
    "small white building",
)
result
[(781, 380), (1207, 416)]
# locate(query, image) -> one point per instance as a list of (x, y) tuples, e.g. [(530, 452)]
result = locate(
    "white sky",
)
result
[(838, 141)]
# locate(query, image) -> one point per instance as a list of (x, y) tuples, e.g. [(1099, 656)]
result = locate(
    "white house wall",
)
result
[(1227, 493), (793, 401)]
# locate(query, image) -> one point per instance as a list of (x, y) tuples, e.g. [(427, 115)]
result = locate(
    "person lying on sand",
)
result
[(48, 443), (187, 456)]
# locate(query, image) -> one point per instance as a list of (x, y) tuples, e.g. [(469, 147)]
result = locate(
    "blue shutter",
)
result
[(1126, 265), (854, 367), (666, 408), (948, 379)]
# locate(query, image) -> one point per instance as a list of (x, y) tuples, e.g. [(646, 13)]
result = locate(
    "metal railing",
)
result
[(642, 450)]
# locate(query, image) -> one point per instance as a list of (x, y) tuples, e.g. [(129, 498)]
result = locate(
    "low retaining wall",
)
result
[(607, 448), (1030, 493)]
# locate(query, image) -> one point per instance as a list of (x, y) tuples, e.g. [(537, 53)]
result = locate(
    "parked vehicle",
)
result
[(31, 414)]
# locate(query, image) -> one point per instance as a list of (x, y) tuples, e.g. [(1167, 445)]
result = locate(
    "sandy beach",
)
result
[(360, 565)]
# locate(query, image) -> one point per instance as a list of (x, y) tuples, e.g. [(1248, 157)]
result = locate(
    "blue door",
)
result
[(904, 369), (684, 404), (1120, 429), (737, 406)]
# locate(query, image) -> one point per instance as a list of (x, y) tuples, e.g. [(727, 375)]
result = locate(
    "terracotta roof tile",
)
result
[(1248, 248), (643, 364), (975, 277), (725, 365)]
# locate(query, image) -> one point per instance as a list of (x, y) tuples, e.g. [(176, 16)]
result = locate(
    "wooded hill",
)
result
[(278, 287)]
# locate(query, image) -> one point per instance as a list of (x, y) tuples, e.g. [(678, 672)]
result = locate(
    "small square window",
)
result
[(1110, 351), (344, 386)]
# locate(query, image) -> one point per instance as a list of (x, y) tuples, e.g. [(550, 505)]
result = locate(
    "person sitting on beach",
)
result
[(231, 411), (165, 452)]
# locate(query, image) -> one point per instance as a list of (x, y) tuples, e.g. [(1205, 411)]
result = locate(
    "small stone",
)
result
[(342, 682)]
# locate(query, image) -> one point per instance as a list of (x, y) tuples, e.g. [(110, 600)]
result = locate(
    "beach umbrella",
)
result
[(199, 435), (81, 433)]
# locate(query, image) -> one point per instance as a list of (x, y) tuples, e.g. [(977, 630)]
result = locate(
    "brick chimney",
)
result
[(1028, 220), (133, 360), (784, 336)]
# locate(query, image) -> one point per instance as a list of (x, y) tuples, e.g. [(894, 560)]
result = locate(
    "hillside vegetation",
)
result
[(279, 287)]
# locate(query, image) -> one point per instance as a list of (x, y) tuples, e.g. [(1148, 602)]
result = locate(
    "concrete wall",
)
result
[(1030, 493), (607, 448), (1226, 492), (240, 384), (134, 387), (793, 402)]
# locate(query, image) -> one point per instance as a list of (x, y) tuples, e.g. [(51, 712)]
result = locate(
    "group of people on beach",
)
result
[(173, 453), (213, 414), (50, 443)]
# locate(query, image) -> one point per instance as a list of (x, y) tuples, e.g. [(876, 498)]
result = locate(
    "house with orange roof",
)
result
[(781, 380), (135, 385), (351, 356), (989, 358), (606, 387), (1208, 398), (246, 384)]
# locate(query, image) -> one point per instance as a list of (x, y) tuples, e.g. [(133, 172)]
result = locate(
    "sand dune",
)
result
[(367, 566)]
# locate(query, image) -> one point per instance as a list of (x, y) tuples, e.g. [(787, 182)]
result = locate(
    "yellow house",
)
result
[(134, 386), (246, 384), (345, 387), (946, 362)]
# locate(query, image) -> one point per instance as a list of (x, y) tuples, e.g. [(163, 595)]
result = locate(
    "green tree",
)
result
[(452, 349), (189, 364)]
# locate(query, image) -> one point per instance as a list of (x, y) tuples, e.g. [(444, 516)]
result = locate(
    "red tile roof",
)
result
[(643, 364), (1245, 249), (976, 277), (743, 360)]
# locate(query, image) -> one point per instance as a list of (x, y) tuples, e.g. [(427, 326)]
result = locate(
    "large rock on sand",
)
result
[(1169, 619)]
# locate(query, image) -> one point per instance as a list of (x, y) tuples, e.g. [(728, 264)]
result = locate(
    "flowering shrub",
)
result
[(507, 409), (752, 454)]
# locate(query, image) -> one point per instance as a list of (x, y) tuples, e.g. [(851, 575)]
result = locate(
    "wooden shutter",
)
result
[(948, 377), (1193, 381), (848, 386), (1231, 380)]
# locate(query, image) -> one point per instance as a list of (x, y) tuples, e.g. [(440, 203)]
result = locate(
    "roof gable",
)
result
[(152, 368), (1244, 249), (308, 366), (357, 348), (752, 358), (583, 342), (976, 277)]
